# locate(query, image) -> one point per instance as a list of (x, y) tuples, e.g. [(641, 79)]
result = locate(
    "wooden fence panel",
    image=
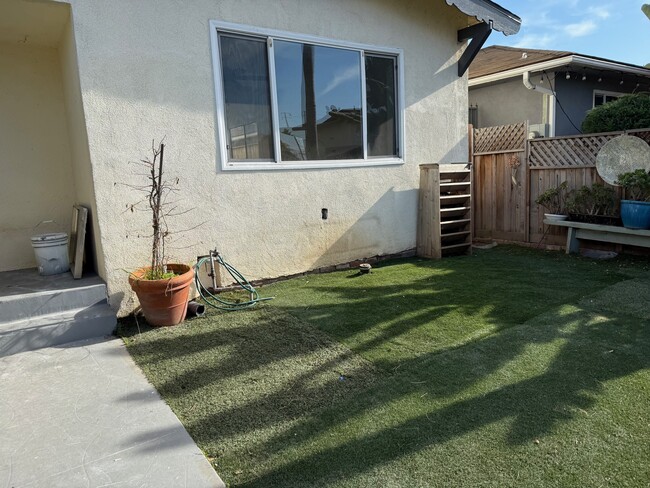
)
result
[(507, 210), (500, 196), (543, 179)]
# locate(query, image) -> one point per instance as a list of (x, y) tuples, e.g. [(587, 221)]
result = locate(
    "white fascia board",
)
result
[(576, 61), (610, 65), (516, 72), (489, 12)]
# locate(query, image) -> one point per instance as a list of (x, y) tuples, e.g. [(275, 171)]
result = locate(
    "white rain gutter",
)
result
[(575, 60), (551, 100)]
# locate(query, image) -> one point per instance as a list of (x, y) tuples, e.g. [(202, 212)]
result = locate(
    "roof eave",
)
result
[(491, 13), (575, 60)]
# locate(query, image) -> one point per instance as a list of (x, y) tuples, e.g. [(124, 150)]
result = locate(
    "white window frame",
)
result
[(217, 27), (605, 94)]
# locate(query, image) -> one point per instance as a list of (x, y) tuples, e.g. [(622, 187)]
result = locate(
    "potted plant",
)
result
[(635, 210), (161, 287), (594, 204), (554, 200)]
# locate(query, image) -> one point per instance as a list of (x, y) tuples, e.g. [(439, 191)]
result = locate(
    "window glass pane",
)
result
[(319, 102), (381, 106), (598, 100), (247, 98)]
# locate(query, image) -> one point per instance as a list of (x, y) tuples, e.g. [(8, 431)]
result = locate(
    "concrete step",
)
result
[(24, 298), (56, 328)]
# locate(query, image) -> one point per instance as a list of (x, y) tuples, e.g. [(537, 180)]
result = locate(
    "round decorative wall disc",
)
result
[(621, 155)]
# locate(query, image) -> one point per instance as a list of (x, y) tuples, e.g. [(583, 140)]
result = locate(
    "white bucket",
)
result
[(51, 251)]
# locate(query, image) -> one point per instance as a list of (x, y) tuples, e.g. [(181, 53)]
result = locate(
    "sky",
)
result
[(611, 29)]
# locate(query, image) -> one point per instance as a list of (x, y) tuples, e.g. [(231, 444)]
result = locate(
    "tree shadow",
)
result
[(275, 382), (501, 290), (593, 351)]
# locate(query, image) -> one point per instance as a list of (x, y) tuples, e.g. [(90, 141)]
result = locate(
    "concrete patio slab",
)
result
[(84, 415)]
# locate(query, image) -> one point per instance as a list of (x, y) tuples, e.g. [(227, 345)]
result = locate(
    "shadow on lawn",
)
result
[(254, 342), (379, 320), (440, 387), (591, 354), (287, 368), (387, 312)]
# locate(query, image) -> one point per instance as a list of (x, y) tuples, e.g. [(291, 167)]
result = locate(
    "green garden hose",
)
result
[(216, 302)]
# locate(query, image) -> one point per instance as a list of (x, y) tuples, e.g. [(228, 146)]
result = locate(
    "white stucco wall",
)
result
[(82, 173), (508, 102), (35, 169), (146, 72)]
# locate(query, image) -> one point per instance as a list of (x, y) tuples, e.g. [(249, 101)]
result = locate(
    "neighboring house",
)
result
[(85, 86), (553, 90)]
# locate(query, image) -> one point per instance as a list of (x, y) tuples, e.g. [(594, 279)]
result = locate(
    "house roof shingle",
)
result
[(496, 59)]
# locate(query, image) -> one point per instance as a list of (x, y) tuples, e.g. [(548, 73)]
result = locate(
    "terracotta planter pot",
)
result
[(163, 302)]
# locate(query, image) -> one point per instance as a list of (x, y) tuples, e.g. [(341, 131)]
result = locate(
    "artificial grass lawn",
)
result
[(511, 367)]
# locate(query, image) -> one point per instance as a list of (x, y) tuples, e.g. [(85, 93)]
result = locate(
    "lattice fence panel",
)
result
[(573, 152), (643, 134), (500, 138)]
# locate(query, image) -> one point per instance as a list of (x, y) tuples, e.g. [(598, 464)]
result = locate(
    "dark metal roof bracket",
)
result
[(478, 33)]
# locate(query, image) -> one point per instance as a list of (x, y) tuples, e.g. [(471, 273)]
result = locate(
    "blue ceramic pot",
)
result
[(635, 215)]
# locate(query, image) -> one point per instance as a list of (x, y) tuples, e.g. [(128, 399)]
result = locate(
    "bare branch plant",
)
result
[(157, 193), (157, 199)]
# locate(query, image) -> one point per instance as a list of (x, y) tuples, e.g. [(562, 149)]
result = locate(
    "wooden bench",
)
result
[(601, 233)]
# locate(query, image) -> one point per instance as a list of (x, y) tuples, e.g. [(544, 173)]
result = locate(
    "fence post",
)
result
[(527, 185), (428, 231), (470, 141)]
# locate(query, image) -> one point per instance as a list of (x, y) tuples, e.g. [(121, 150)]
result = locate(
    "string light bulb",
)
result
[(568, 75)]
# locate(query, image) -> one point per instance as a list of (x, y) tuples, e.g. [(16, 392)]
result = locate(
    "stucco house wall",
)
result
[(82, 170), (36, 178), (145, 72), (508, 102), (577, 98)]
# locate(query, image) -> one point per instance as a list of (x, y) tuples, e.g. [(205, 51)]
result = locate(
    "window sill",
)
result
[(338, 164)]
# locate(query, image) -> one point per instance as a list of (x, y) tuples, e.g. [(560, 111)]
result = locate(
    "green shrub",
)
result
[(554, 199), (592, 200), (636, 184), (628, 112)]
